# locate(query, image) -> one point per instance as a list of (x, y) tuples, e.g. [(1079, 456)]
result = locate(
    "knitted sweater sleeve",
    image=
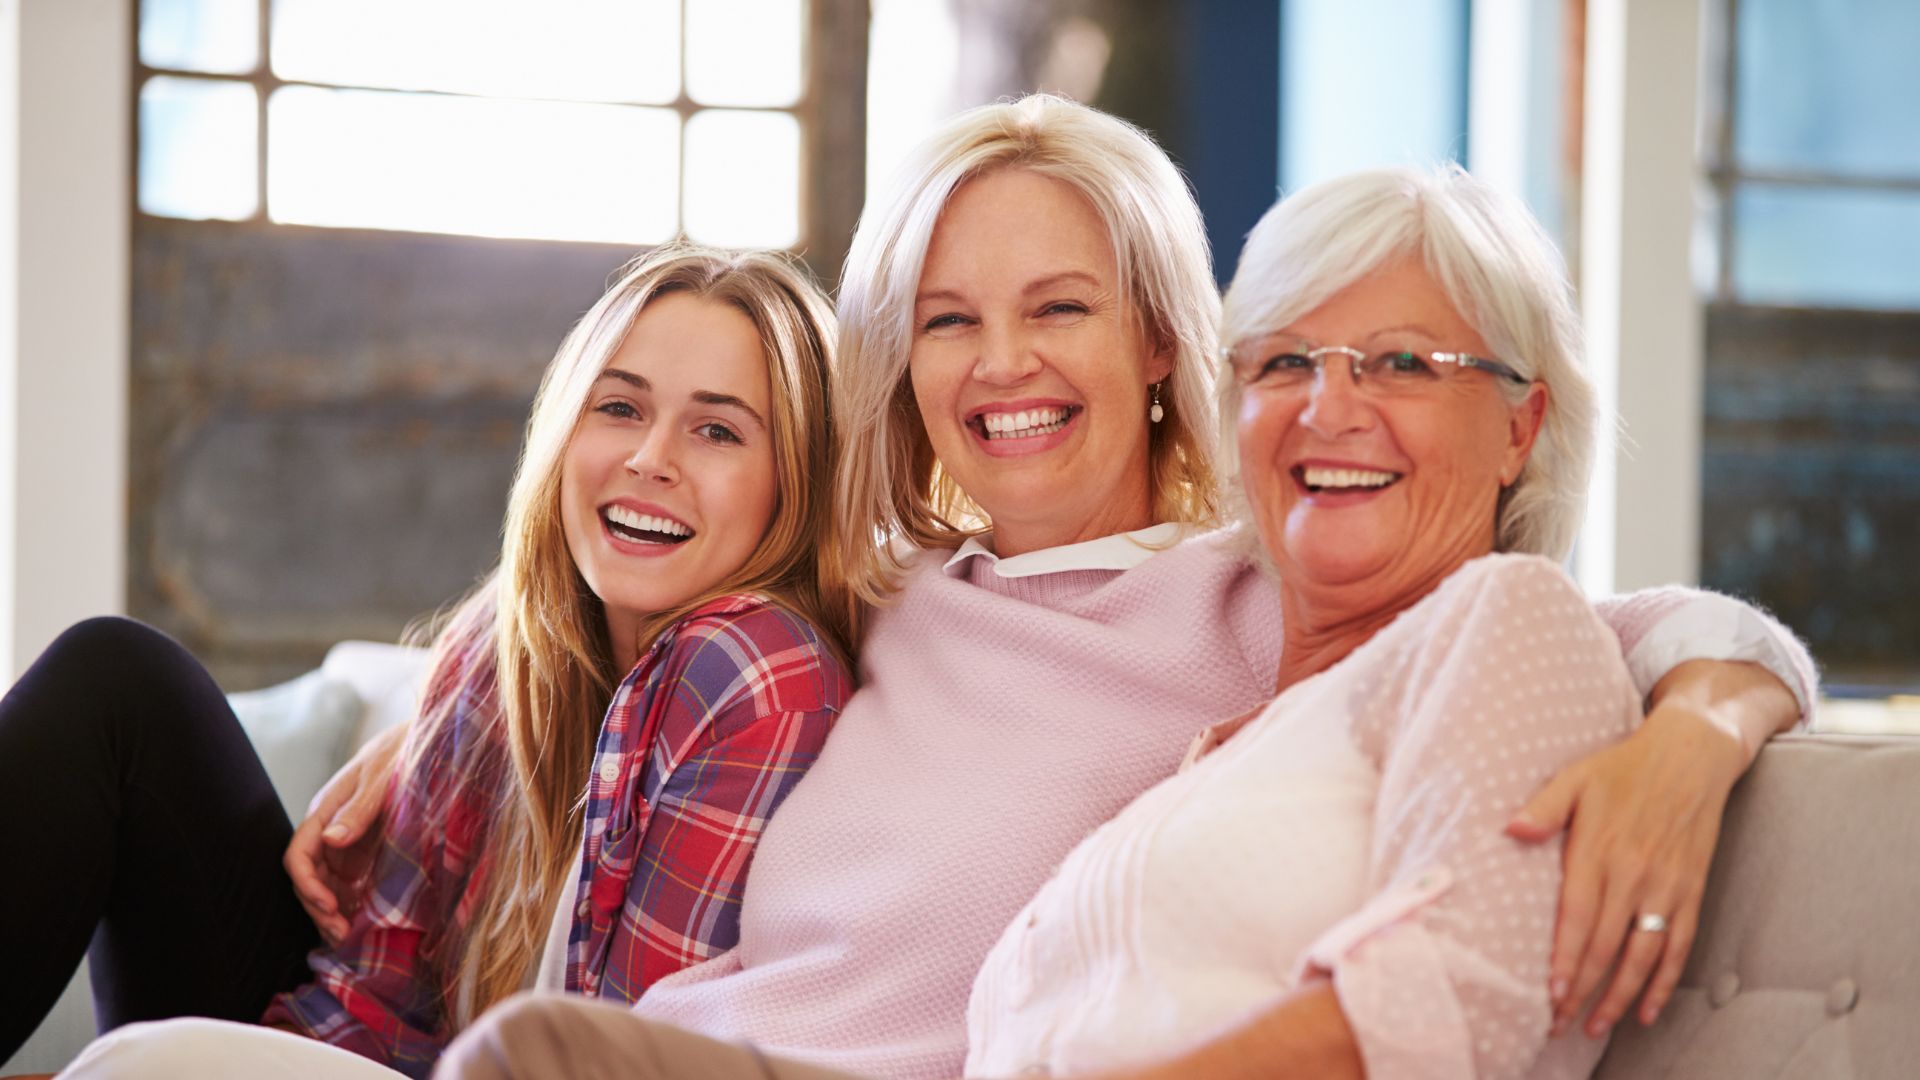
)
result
[(1661, 628)]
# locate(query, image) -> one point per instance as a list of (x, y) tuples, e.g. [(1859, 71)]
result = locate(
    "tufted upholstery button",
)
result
[(1723, 990), (1841, 999)]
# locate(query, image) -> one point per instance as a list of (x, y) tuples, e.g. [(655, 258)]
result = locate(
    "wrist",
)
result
[(1720, 748)]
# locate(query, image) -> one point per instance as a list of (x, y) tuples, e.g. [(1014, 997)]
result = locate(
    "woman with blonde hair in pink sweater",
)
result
[(1027, 367)]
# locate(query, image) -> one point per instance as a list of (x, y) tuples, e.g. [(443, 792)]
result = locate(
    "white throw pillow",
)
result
[(302, 730)]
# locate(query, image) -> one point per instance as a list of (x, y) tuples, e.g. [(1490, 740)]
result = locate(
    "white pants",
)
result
[(216, 1050)]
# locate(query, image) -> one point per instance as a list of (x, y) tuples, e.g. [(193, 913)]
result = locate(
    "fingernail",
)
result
[(335, 832), (1559, 1026), (1649, 1016), (1597, 1028), (1558, 989)]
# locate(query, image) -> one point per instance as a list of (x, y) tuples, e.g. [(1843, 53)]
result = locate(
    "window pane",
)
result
[(912, 53), (582, 50), (219, 36), (743, 179), (428, 163), (1358, 90), (1826, 247), (1828, 86), (199, 148), (743, 52)]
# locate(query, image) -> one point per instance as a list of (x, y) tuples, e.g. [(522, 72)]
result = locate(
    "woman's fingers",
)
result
[(1673, 961), (306, 854), (1547, 813), (1623, 873), (332, 847), (1645, 947), (362, 808), (1580, 894), (303, 868)]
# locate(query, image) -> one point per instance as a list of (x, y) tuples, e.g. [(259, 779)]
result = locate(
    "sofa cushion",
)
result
[(1808, 961), (302, 731), (388, 679)]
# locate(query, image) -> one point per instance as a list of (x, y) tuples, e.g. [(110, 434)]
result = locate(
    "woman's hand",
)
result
[(1642, 820), (332, 850)]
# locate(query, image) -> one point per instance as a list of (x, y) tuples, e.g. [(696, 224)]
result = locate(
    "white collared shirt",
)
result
[(1121, 551)]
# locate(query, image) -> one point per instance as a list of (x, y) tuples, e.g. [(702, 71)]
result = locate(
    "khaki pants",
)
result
[(535, 1037)]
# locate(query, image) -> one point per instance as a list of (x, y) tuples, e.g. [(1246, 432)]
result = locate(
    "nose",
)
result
[(1005, 357), (1335, 405), (655, 456)]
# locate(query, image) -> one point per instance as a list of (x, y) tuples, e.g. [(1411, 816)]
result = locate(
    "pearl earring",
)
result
[(1154, 412)]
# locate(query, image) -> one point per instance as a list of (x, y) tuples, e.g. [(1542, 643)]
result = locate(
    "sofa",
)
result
[(1807, 966)]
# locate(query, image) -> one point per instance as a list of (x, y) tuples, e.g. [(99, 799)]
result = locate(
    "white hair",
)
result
[(1500, 271)]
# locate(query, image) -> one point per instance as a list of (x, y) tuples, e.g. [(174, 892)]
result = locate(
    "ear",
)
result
[(1160, 364), (1523, 427)]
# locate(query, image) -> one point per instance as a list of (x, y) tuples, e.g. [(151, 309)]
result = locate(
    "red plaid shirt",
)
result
[(702, 741)]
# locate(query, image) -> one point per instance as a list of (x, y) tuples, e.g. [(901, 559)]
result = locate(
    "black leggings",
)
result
[(135, 815)]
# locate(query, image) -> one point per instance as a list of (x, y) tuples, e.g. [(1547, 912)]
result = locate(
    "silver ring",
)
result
[(1651, 923)]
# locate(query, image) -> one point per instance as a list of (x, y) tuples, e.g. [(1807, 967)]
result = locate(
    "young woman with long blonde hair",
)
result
[(609, 721)]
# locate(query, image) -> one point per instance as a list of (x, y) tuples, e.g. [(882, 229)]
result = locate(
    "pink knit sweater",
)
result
[(999, 721)]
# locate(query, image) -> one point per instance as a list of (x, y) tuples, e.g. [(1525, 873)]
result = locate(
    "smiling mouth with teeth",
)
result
[(1317, 478), (644, 528), (1025, 424)]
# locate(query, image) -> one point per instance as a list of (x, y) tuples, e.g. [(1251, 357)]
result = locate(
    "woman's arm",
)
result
[(1643, 818), (332, 850), (370, 992)]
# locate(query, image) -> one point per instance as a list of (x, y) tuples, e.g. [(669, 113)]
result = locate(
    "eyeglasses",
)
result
[(1391, 372)]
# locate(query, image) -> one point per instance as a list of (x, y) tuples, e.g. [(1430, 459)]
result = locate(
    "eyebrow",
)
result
[(704, 397), (1038, 285)]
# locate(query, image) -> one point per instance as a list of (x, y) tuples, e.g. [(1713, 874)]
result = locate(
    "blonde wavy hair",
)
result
[(1501, 272), (890, 486), (527, 651)]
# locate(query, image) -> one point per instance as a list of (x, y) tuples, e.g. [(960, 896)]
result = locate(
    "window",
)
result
[(1815, 157), (627, 121), (1810, 474)]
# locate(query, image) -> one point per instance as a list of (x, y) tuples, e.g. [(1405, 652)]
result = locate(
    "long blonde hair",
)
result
[(891, 486), (527, 653)]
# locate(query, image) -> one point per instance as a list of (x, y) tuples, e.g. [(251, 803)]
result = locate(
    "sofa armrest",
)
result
[(1808, 959)]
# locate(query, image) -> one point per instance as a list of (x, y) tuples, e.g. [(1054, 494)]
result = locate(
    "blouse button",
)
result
[(1841, 999), (1723, 990), (609, 770)]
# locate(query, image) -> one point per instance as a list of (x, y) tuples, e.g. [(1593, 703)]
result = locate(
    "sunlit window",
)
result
[(627, 121), (1815, 158)]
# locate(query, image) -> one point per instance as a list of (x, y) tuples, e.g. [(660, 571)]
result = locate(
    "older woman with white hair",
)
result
[(1413, 430), (1026, 377)]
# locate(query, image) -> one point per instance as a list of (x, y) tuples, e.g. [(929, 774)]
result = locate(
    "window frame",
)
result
[(1721, 165), (831, 112)]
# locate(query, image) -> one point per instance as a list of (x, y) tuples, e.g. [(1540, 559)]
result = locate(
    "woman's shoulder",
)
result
[(751, 643), (1505, 591), (1515, 575)]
